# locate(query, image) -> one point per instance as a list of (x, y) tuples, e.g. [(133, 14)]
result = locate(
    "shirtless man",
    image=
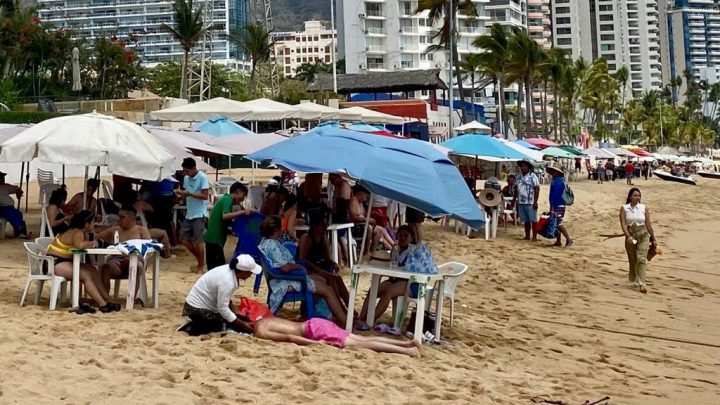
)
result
[(318, 330), (358, 214), (75, 204), (117, 267)]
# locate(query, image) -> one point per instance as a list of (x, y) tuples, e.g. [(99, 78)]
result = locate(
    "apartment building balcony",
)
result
[(692, 23), (536, 15), (536, 28), (535, 2), (697, 37)]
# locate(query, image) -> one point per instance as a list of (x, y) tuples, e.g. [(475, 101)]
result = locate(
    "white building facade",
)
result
[(313, 44), (137, 23), (625, 33)]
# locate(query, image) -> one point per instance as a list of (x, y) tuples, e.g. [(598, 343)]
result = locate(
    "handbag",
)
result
[(253, 310), (547, 225)]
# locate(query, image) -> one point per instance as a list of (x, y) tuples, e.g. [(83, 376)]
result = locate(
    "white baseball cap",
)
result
[(245, 263)]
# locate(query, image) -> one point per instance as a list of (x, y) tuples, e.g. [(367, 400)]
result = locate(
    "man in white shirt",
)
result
[(526, 199), (209, 303), (8, 210)]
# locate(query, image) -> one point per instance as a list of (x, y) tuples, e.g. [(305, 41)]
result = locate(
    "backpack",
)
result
[(568, 196)]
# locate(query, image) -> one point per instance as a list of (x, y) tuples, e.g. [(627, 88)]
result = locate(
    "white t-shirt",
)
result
[(5, 191), (214, 290), (634, 215)]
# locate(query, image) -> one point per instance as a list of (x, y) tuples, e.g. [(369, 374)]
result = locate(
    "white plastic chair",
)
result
[(256, 197), (142, 290), (45, 228), (41, 269), (44, 242), (453, 272), (107, 189), (508, 211), (48, 183)]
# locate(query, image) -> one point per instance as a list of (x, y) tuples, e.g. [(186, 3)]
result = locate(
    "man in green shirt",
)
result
[(216, 234)]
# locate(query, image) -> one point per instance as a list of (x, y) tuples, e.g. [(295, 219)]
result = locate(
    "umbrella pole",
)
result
[(22, 174), (253, 173), (87, 173), (367, 224), (217, 170), (230, 165), (27, 186), (97, 192), (63, 174)]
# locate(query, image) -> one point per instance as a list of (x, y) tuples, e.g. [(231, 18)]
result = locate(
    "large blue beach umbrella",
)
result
[(526, 144), (221, 126), (484, 147), (405, 170)]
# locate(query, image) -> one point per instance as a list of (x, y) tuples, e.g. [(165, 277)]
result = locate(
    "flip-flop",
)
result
[(382, 328), (84, 308), (362, 327)]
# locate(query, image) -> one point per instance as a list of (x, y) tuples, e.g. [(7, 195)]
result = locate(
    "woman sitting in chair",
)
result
[(57, 220), (314, 252), (76, 238), (281, 258), (392, 287)]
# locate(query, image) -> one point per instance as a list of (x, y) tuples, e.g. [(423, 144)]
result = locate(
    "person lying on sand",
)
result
[(318, 330)]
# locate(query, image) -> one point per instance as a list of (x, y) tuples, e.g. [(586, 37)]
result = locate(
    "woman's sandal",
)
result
[(109, 307), (84, 308)]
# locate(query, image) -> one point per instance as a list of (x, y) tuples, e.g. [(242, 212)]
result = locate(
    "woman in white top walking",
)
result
[(637, 227)]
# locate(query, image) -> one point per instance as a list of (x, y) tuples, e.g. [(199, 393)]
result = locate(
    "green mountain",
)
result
[(288, 15)]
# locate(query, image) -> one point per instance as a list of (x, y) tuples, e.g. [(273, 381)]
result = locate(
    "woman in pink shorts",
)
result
[(321, 330)]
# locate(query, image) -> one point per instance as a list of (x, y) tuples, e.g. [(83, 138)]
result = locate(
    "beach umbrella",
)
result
[(404, 170), (473, 126), (575, 151), (540, 142), (532, 154), (166, 135), (329, 113), (221, 126), (202, 110), (77, 84), (557, 153), (92, 140), (246, 144), (525, 144), (599, 153), (484, 147), (370, 129)]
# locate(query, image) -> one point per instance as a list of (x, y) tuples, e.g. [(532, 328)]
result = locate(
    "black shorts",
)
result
[(214, 255)]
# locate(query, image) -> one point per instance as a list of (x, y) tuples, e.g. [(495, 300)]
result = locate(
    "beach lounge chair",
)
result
[(304, 295), (42, 269), (453, 272), (247, 230)]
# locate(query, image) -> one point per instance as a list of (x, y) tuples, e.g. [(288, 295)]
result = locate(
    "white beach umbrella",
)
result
[(93, 139)]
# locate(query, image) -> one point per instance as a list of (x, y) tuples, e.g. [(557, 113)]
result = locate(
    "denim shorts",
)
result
[(527, 213)]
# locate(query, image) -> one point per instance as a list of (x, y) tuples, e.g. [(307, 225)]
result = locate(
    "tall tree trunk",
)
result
[(500, 106), (529, 124), (253, 77), (472, 95), (557, 102), (543, 108), (456, 61), (183, 79), (519, 115)]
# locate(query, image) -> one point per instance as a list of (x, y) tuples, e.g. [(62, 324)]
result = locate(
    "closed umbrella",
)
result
[(77, 84), (405, 170)]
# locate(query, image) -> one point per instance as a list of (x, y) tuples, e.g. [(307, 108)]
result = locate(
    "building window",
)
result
[(562, 20), (606, 27), (606, 17), (607, 47), (562, 1), (562, 10), (564, 41), (564, 31), (607, 37), (603, 7), (424, 39), (287, 70), (610, 56), (327, 58)]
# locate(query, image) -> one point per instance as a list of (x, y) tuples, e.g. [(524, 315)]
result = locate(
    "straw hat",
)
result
[(489, 197), (556, 166)]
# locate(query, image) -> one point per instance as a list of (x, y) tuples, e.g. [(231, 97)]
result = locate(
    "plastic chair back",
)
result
[(41, 265), (305, 296), (43, 242), (256, 195), (247, 230), (453, 272), (292, 247)]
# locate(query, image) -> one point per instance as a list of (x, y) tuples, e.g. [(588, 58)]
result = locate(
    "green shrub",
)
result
[(26, 117)]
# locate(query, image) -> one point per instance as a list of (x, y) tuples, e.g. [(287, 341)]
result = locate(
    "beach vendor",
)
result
[(639, 236), (196, 192), (8, 210), (557, 201), (209, 303), (318, 330), (526, 200)]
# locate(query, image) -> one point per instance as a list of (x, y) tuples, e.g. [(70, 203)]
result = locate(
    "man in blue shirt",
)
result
[(196, 190), (557, 201)]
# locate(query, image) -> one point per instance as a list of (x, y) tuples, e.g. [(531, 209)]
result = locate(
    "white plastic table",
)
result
[(132, 274), (376, 270), (333, 229)]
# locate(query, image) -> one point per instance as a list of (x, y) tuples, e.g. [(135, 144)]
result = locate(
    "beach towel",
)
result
[(139, 246)]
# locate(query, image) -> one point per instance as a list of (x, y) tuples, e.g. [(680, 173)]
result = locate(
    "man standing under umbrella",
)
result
[(196, 190), (8, 210), (526, 200)]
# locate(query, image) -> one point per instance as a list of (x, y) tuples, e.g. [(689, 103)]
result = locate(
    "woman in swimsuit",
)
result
[(75, 238), (57, 221), (314, 253), (317, 330)]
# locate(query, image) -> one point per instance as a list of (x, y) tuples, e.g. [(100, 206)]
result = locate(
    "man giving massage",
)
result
[(323, 331)]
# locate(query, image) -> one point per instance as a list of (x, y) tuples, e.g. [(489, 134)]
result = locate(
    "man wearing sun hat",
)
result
[(526, 199), (209, 304), (557, 201), (8, 210)]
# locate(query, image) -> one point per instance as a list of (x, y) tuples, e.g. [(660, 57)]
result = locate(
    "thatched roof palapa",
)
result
[(381, 82)]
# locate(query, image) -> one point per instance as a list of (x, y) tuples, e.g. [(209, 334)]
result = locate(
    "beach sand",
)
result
[(531, 321)]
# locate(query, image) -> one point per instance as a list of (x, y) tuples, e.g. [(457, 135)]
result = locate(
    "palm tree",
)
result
[(557, 67), (447, 11), (471, 67), (714, 98), (254, 40), (189, 28), (525, 57), (675, 84), (308, 71), (493, 63)]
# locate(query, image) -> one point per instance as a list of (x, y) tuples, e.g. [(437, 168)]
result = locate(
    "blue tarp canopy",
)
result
[(405, 170)]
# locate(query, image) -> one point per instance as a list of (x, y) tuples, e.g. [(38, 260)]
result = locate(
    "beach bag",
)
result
[(547, 225), (568, 196), (253, 310)]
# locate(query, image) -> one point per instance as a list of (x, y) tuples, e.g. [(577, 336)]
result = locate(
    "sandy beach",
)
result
[(531, 321)]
